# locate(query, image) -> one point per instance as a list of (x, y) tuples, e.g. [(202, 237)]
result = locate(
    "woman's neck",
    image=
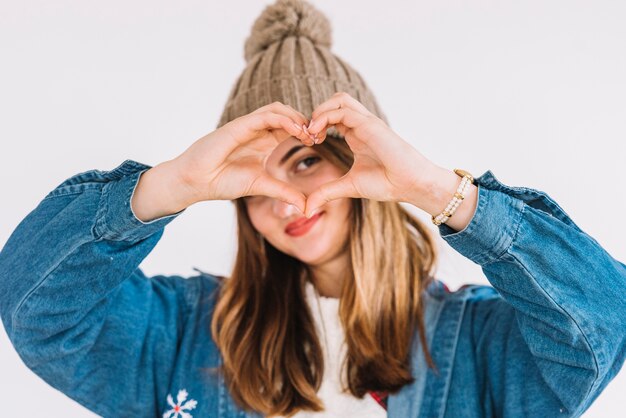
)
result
[(328, 278)]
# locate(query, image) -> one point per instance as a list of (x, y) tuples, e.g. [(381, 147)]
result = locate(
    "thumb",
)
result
[(272, 187), (335, 189)]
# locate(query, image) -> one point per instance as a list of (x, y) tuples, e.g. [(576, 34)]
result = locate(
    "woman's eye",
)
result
[(314, 158)]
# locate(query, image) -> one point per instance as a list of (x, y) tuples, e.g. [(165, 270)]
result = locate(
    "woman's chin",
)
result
[(312, 255)]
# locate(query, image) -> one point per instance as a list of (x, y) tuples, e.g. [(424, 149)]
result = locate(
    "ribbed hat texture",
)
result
[(288, 59)]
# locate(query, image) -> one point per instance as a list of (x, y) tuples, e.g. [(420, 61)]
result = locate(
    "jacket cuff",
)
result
[(115, 219), (494, 225)]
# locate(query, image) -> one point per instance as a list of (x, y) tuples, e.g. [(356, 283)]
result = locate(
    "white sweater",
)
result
[(336, 403)]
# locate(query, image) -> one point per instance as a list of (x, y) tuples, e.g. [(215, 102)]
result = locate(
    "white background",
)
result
[(534, 91)]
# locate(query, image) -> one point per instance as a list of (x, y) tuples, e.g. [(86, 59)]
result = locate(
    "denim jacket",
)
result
[(544, 341)]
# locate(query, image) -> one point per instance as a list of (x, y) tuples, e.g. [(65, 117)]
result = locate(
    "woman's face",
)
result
[(306, 170)]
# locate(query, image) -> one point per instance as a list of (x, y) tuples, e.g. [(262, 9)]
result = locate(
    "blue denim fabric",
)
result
[(544, 341)]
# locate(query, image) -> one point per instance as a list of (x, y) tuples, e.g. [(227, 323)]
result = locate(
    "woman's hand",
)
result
[(386, 168), (230, 162)]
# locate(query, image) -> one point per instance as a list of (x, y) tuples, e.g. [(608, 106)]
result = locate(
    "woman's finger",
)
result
[(298, 117), (284, 109), (344, 116), (340, 100), (342, 187), (284, 126), (266, 185)]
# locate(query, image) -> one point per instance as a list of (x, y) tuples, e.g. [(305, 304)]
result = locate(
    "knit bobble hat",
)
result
[(288, 59)]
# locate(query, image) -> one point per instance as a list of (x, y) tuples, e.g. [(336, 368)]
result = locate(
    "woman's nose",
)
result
[(283, 209)]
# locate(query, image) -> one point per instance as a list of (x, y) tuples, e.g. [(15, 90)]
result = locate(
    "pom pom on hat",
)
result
[(287, 18)]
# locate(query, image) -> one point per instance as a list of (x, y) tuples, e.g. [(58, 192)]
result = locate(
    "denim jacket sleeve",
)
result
[(568, 298), (76, 307)]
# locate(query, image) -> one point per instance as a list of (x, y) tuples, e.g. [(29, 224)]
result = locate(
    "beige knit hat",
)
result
[(289, 60)]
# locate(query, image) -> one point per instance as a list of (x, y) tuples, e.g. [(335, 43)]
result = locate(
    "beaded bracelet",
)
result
[(457, 199)]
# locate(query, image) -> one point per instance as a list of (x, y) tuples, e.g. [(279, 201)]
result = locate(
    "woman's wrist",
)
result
[(437, 188), (160, 192)]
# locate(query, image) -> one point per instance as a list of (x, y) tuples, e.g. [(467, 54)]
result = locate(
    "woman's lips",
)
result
[(302, 225)]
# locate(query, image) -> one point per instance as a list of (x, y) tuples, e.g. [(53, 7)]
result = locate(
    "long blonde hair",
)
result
[(272, 359)]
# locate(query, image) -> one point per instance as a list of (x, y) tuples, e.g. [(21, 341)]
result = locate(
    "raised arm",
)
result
[(75, 305), (564, 294)]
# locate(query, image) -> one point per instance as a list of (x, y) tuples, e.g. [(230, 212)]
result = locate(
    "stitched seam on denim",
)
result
[(134, 232), (61, 192), (38, 285), (45, 276), (184, 292), (593, 354), (101, 212), (100, 227), (517, 228), (488, 255), (513, 237), (522, 192), (436, 317), (446, 343), (588, 339), (454, 349)]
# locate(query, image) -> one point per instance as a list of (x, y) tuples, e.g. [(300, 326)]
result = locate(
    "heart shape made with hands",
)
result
[(385, 167)]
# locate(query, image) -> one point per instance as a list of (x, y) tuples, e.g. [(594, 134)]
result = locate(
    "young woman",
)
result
[(342, 297)]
